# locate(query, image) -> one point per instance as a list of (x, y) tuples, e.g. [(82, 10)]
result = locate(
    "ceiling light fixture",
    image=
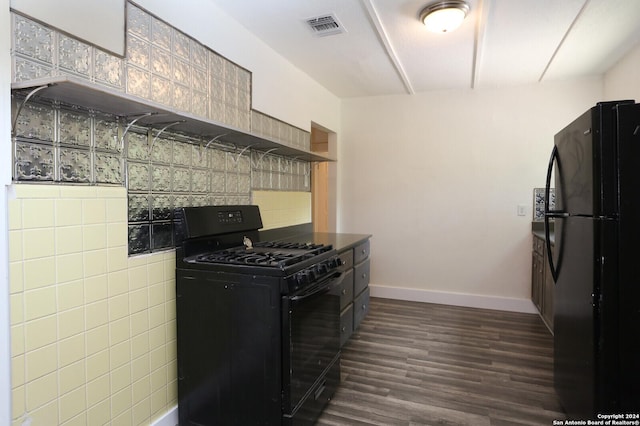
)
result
[(444, 16)]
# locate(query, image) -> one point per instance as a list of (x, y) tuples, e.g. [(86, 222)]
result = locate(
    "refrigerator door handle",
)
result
[(556, 214), (551, 213)]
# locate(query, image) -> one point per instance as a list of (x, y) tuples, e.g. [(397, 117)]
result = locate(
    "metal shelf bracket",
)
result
[(237, 157), (131, 123), (161, 131), (262, 157), (215, 139), (23, 103)]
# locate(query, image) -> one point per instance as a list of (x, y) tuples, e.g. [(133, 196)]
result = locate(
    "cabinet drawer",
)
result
[(361, 252), (360, 308), (346, 259), (346, 289), (538, 245), (346, 324), (361, 277)]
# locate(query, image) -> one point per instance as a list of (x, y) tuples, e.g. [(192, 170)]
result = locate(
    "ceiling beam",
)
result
[(564, 37), (478, 40), (391, 53)]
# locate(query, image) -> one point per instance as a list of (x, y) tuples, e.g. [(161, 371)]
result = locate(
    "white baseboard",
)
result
[(170, 418), (511, 304)]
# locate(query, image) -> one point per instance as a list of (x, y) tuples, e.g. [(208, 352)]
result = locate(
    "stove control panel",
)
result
[(230, 216), (314, 273)]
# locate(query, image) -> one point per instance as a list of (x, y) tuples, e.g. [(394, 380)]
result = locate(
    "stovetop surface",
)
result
[(263, 254)]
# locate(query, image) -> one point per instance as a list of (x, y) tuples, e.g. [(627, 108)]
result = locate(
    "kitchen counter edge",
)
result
[(537, 229)]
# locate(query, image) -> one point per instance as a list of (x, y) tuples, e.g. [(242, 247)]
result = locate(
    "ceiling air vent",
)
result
[(325, 25)]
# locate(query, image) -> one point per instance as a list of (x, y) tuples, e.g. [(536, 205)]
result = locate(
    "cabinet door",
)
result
[(346, 324), (361, 277), (346, 259), (346, 289), (360, 308), (361, 252), (537, 278)]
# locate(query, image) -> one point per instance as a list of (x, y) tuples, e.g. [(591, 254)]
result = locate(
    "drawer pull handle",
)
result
[(344, 291), (364, 275), (364, 251), (343, 329), (364, 307)]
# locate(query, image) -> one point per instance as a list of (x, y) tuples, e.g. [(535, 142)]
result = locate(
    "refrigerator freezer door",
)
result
[(574, 170), (586, 174)]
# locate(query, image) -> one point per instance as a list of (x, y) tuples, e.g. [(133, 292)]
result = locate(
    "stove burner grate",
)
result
[(271, 254)]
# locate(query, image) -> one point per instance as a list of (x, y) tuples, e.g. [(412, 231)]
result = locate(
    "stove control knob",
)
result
[(302, 279), (322, 268), (311, 275)]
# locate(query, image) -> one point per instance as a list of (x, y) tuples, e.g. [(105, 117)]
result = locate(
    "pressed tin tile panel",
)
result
[(73, 55), (161, 34), (24, 69), (539, 202), (108, 70)]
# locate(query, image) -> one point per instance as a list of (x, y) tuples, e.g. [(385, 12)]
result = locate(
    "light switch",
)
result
[(522, 210)]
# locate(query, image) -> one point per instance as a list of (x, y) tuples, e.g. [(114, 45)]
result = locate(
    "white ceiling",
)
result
[(386, 50)]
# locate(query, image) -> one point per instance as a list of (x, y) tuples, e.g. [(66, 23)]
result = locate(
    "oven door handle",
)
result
[(324, 286)]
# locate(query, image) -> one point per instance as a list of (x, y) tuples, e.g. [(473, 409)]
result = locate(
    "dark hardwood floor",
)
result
[(414, 363)]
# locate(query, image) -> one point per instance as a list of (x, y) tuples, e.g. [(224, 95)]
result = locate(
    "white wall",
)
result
[(437, 177), (622, 81), (279, 89)]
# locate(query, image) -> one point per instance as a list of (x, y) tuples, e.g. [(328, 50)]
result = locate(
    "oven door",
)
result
[(311, 340)]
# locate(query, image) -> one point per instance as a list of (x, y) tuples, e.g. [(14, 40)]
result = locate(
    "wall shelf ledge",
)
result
[(88, 95)]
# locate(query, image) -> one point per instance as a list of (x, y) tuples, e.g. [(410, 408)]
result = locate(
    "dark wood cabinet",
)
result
[(354, 296), (542, 284), (537, 274)]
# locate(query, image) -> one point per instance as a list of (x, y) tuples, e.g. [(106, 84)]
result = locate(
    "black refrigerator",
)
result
[(596, 261)]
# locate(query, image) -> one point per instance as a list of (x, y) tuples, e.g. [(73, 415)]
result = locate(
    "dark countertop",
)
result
[(537, 229)]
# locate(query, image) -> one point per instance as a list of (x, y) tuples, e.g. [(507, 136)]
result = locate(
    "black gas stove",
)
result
[(258, 321)]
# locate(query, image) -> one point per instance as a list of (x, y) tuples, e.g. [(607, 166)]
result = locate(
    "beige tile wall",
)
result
[(283, 208), (92, 330)]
